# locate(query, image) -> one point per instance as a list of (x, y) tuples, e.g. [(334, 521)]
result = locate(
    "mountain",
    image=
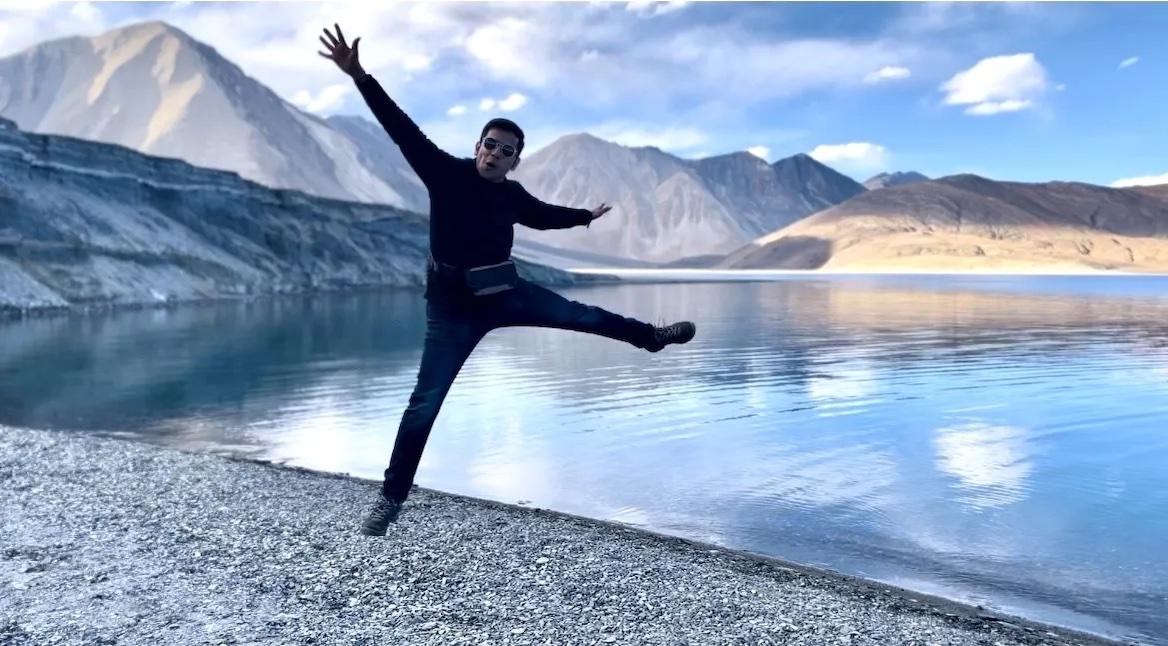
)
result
[(764, 197), (884, 180), (1158, 190), (666, 207), (153, 88), (377, 152), (85, 223), (966, 222)]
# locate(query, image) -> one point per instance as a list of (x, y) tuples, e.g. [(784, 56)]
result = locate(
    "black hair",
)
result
[(505, 125)]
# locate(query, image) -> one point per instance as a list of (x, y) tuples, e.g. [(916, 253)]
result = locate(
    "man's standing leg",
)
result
[(533, 305), (451, 336)]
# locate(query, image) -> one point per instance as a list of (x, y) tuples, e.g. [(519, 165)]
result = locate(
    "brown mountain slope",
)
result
[(1160, 190), (969, 223)]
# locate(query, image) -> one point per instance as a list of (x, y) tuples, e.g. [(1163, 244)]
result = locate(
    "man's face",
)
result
[(494, 164)]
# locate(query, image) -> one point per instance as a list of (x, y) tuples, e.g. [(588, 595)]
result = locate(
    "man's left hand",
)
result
[(600, 210)]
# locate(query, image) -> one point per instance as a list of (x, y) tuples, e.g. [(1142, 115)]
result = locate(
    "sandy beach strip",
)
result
[(109, 541)]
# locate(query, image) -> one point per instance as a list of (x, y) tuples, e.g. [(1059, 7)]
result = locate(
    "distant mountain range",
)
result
[(1160, 191), (969, 223), (884, 180), (667, 207)]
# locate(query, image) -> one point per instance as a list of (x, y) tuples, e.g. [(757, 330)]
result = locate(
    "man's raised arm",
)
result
[(540, 215), (427, 159)]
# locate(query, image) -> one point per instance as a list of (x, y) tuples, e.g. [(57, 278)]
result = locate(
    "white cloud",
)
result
[(887, 73), (24, 24), (1145, 180), (327, 99), (513, 102), (995, 107), (762, 152), (589, 55), (669, 139), (19, 6), (932, 17), (998, 84), (991, 464), (733, 64), (416, 62), (503, 47), (861, 155), (1128, 62), (457, 111), (428, 15), (655, 8), (86, 12)]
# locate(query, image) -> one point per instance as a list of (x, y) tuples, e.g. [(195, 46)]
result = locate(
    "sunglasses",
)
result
[(490, 144)]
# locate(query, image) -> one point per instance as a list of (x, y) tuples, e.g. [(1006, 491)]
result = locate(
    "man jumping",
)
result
[(471, 283)]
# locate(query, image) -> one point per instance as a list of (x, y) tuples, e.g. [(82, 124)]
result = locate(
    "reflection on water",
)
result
[(992, 462), (997, 440)]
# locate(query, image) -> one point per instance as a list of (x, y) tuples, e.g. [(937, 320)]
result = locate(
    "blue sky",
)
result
[(1011, 91)]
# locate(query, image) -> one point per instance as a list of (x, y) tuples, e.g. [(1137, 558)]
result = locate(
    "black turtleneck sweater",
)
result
[(471, 218)]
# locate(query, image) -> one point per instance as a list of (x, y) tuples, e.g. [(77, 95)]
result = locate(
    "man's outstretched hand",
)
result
[(600, 210), (340, 53)]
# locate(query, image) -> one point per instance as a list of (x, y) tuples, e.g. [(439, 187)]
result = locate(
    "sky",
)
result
[(1014, 91)]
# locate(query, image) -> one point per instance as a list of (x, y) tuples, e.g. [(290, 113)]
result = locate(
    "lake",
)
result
[(998, 440)]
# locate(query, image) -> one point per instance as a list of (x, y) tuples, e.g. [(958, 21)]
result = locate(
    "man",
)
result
[(471, 285)]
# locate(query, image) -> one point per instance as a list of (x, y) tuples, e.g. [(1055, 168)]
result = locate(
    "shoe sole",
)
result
[(372, 531)]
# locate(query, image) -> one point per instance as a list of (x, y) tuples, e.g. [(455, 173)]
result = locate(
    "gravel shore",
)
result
[(108, 541)]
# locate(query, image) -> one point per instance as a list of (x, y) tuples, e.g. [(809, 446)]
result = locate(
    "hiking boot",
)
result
[(677, 333), (383, 513)]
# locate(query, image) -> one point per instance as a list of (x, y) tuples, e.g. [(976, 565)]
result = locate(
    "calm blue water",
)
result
[(1002, 441)]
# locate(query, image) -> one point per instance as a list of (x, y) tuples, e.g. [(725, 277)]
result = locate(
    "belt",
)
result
[(446, 268)]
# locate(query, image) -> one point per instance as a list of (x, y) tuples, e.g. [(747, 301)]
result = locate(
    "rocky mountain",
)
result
[(969, 223), (666, 207), (884, 180), (85, 223), (1159, 190), (153, 88), (377, 152)]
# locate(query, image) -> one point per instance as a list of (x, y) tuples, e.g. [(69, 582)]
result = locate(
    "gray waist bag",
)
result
[(492, 279)]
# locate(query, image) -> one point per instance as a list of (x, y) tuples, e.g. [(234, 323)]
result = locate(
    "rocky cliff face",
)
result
[(85, 223), (153, 88), (969, 223)]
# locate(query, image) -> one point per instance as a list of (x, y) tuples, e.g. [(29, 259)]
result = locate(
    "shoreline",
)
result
[(712, 275), (634, 276), (107, 540)]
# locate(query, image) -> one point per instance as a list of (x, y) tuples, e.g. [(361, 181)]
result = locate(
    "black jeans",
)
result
[(454, 326)]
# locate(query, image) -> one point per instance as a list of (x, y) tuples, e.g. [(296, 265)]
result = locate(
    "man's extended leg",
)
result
[(450, 339), (531, 304)]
